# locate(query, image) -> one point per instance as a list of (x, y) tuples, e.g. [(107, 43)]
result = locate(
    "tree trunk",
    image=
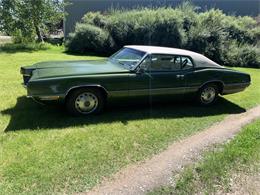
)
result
[(39, 35)]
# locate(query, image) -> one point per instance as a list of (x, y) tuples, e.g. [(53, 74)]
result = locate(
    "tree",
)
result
[(24, 19)]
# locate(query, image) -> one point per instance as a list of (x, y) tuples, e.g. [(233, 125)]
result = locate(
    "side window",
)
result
[(186, 63), (165, 63)]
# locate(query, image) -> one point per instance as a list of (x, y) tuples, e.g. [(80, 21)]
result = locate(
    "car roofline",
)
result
[(198, 59)]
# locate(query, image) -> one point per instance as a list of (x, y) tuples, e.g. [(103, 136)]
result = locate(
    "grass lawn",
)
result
[(214, 172), (43, 150)]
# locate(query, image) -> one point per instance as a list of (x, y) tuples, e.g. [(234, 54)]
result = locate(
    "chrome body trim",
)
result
[(157, 91), (83, 76), (89, 85), (212, 81), (176, 90), (227, 89), (49, 98)]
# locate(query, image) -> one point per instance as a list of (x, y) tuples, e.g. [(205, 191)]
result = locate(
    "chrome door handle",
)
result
[(179, 75)]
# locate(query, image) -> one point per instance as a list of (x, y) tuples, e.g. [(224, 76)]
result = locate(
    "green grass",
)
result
[(213, 173), (27, 47), (43, 150)]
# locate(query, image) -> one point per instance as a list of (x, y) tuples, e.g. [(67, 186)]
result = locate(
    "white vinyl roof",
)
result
[(200, 60)]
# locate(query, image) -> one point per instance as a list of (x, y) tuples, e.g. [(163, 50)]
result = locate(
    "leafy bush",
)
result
[(147, 27), (89, 38), (208, 35), (212, 33), (22, 36), (242, 55), (95, 18)]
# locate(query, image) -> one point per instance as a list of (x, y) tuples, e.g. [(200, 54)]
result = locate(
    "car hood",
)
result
[(75, 68)]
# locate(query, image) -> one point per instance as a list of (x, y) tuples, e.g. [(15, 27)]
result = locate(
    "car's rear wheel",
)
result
[(208, 94), (85, 101)]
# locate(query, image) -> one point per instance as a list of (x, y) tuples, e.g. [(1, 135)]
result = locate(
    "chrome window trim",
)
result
[(147, 54), (141, 61)]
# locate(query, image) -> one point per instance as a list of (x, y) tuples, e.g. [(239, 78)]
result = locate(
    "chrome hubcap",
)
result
[(86, 103), (208, 95)]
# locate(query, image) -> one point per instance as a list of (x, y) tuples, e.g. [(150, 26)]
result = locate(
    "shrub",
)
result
[(20, 37), (211, 33), (208, 35), (89, 38), (95, 18), (242, 29), (242, 55), (162, 27), (146, 26)]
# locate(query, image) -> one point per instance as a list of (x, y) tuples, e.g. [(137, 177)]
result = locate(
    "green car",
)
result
[(135, 71)]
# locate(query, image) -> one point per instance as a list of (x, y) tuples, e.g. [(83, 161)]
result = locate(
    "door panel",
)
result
[(166, 74), (139, 84), (166, 83), (162, 75)]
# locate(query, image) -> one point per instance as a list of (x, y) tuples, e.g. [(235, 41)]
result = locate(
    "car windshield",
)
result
[(128, 57)]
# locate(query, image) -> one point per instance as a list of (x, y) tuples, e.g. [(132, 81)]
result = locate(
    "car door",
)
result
[(166, 75), (158, 75), (189, 75)]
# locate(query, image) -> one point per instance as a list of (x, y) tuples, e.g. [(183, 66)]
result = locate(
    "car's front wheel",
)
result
[(208, 94), (85, 101)]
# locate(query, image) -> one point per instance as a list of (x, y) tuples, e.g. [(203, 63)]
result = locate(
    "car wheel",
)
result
[(208, 94), (85, 102)]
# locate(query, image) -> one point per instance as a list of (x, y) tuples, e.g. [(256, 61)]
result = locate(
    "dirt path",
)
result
[(245, 182), (157, 171)]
